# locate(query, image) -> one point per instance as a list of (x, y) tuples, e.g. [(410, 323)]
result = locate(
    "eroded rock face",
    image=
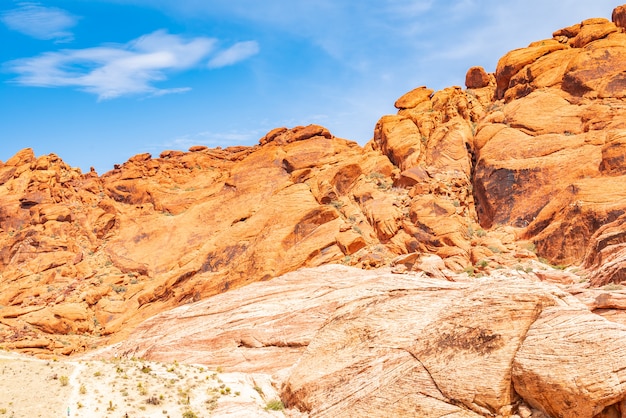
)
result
[(538, 148), (525, 164), (548, 155), (158, 232), (346, 342)]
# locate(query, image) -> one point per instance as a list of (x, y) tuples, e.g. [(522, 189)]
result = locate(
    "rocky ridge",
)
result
[(521, 171)]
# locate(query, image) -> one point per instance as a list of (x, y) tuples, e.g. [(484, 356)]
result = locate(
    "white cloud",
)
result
[(40, 22), (212, 139), (236, 53), (114, 71), (132, 68)]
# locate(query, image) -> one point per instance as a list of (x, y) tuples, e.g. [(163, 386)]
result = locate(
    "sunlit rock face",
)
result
[(341, 341), (520, 172)]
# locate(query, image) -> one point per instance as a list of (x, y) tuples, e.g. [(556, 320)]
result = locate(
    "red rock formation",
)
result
[(477, 78), (523, 168), (619, 17), (529, 159), (544, 154), (155, 233)]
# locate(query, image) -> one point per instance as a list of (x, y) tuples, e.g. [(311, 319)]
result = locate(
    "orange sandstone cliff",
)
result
[(519, 175)]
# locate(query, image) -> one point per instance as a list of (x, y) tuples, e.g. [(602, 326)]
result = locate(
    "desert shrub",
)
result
[(337, 204), (118, 289), (275, 405)]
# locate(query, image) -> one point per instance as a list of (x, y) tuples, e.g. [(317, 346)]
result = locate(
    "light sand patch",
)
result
[(33, 388), (92, 388)]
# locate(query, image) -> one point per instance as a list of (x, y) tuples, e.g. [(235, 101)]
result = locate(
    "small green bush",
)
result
[(275, 405), (118, 289), (376, 175)]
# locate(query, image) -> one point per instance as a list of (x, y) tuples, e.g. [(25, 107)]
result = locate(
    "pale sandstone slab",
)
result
[(341, 341)]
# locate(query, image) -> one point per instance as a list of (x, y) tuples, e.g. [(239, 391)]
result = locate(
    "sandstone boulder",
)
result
[(414, 98), (476, 78), (558, 382), (514, 61), (619, 17)]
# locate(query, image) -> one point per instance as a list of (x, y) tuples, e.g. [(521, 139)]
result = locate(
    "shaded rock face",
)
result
[(341, 341), (619, 17), (548, 157)]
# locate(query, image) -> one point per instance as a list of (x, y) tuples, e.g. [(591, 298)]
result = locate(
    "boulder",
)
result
[(476, 78), (414, 98), (619, 17)]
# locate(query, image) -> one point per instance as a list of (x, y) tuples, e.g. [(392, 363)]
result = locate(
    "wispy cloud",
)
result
[(238, 52), (47, 23), (212, 139), (241, 136), (118, 70)]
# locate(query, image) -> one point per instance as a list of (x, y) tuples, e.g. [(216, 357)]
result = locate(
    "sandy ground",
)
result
[(31, 387)]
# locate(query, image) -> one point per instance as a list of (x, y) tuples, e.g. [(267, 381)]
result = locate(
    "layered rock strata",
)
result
[(523, 168), (341, 341)]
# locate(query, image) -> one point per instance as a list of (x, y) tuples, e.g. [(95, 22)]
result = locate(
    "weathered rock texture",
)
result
[(514, 178), (525, 165), (345, 342)]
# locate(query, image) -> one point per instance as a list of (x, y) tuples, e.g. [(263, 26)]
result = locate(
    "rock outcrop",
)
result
[(156, 233), (500, 209), (341, 342), (521, 170)]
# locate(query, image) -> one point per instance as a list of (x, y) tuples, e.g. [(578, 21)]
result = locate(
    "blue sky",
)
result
[(98, 81)]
